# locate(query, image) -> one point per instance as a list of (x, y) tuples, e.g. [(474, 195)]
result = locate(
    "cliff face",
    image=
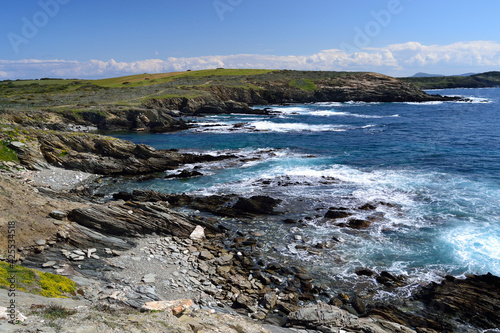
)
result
[(366, 87)]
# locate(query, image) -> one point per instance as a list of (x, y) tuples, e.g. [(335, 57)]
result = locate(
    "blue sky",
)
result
[(92, 39)]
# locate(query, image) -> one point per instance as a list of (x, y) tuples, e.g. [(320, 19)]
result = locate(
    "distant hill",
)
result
[(482, 80), (420, 74)]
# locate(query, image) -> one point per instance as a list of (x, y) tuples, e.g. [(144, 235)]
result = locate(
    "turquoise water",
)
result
[(431, 169)]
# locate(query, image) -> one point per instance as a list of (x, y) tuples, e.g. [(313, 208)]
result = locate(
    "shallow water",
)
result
[(432, 170)]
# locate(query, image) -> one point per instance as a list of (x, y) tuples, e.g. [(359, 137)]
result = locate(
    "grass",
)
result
[(152, 79), (54, 311), (7, 154), (304, 84), (36, 282)]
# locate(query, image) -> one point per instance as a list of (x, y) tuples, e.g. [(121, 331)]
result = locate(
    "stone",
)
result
[(176, 306), (5, 314), (148, 278), (116, 253), (79, 252), (240, 282), (206, 255), (49, 264), (269, 300), (90, 252), (16, 145), (40, 242), (246, 302), (57, 214), (198, 233)]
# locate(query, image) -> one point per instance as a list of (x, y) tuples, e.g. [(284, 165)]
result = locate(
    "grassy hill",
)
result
[(482, 80), (133, 90)]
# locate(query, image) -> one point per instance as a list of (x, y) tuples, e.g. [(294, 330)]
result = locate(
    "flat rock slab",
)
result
[(176, 306), (49, 264), (149, 278)]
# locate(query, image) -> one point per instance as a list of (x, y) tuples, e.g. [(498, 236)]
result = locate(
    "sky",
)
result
[(107, 38)]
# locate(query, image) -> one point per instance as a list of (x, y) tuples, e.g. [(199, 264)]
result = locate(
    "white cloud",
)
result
[(396, 59)]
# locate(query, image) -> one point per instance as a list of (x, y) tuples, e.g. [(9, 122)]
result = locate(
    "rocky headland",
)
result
[(142, 261)]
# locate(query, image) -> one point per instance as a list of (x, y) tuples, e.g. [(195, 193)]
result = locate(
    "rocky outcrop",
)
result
[(452, 305), (136, 219), (223, 205), (329, 318), (366, 87), (109, 156), (102, 118)]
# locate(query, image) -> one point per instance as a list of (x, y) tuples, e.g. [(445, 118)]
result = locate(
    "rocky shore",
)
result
[(140, 248)]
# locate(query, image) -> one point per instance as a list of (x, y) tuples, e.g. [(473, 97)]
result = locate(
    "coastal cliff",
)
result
[(296, 87), (156, 102)]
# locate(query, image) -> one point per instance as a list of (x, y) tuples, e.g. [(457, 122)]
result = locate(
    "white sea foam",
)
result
[(476, 247), (424, 103), (295, 127)]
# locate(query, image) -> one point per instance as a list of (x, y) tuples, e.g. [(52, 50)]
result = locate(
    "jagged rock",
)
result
[(108, 156), (475, 300), (269, 300), (329, 318), (226, 205), (337, 213), (147, 218), (358, 224), (185, 174), (258, 204), (206, 255)]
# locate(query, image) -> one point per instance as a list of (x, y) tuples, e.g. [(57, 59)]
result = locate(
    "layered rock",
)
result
[(366, 87), (136, 219), (102, 155)]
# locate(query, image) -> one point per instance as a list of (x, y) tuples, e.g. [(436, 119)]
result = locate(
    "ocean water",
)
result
[(431, 170)]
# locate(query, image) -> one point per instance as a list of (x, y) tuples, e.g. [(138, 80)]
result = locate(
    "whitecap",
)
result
[(294, 127)]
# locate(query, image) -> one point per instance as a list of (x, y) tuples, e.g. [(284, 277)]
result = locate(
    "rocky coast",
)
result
[(145, 261), (139, 248)]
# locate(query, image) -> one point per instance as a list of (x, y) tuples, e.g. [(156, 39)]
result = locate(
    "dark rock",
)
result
[(364, 271), (358, 224), (368, 206), (185, 174), (337, 213), (475, 300), (259, 204)]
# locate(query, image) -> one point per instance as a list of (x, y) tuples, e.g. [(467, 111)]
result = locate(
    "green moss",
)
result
[(36, 282), (62, 153), (304, 84), (7, 154)]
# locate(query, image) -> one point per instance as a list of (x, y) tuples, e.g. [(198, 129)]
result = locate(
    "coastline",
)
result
[(214, 274)]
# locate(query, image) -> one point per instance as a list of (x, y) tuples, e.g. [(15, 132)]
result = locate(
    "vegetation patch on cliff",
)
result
[(36, 282), (7, 154)]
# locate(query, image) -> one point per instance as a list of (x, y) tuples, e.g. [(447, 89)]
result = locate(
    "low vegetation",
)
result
[(7, 154), (36, 282)]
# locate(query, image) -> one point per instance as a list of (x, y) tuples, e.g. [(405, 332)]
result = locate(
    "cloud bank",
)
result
[(397, 60)]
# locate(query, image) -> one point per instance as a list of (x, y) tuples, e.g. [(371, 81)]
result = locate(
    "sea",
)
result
[(429, 171)]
